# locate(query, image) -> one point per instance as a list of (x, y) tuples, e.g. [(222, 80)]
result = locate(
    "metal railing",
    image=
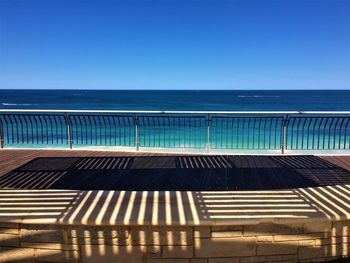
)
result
[(201, 130)]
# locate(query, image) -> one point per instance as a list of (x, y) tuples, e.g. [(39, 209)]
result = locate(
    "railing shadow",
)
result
[(138, 226), (175, 173)]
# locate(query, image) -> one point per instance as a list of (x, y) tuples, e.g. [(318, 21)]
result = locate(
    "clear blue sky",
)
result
[(168, 44)]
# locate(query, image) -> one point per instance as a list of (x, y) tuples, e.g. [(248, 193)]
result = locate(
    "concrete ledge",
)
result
[(321, 240), (296, 225)]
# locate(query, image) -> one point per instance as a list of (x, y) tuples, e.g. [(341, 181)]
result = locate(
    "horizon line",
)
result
[(56, 89)]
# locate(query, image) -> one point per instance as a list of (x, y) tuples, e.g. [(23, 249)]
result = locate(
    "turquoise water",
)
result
[(177, 131)]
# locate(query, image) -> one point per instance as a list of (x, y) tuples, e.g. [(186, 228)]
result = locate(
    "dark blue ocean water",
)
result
[(263, 100), (176, 131)]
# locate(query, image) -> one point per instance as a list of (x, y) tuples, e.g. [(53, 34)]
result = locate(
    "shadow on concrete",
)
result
[(175, 173)]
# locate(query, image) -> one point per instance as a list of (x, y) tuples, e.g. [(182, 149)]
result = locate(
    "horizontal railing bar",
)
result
[(171, 112)]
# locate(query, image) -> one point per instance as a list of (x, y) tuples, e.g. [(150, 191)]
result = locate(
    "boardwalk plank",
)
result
[(98, 170)]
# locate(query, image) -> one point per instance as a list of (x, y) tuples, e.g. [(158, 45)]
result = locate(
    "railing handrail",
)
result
[(172, 112)]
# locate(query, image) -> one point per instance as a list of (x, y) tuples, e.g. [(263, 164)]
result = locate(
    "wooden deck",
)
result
[(97, 170)]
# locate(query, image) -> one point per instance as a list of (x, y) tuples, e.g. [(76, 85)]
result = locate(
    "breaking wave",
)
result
[(258, 96), (16, 104)]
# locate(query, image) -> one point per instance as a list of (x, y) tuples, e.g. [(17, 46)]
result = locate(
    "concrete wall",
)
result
[(302, 242)]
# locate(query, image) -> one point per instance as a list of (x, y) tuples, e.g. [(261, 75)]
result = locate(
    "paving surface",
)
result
[(314, 188), (96, 170)]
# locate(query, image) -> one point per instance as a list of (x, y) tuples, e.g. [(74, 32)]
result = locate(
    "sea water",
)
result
[(188, 100), (175, 131)]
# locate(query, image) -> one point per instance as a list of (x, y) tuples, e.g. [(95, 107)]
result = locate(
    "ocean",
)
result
[(171, 131), (189, 100)]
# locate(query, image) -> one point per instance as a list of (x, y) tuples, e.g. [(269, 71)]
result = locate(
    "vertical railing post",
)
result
[(69, 131), (137, 135), (284, 134), (1, 136), (208, 133)]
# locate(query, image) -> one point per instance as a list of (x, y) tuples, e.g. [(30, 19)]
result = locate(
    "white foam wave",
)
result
[(15, 104), (258, 96)]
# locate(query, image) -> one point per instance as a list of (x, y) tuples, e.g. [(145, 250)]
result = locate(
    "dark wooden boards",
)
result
[(97, 170)]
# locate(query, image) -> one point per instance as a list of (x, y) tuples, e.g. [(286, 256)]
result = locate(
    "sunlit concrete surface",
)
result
[(174, 207)]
